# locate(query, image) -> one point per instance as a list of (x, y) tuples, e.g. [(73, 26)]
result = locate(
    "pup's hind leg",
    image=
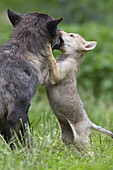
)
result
[(66, 131), (76, 134), (81, 133)]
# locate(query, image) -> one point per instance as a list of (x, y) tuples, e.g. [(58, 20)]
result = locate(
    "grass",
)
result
[(49, 151)]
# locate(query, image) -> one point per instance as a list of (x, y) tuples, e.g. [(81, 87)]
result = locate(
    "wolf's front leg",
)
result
[(13, 132), (18, 130), (23, 131), (8, 134)]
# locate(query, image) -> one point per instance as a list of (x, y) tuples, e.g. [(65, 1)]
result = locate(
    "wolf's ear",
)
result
[(90, 45), (52, 25), (14, 18)]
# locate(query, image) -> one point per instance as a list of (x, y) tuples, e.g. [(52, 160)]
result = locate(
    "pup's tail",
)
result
[(100, 129)]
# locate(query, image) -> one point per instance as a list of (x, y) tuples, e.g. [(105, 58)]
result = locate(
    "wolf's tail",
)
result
[(100, 129)]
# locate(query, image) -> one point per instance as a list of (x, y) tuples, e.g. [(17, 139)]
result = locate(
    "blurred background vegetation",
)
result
[(92, 19)]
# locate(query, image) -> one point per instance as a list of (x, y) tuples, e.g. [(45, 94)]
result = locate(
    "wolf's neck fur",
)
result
[(40, 65), (37, 58)]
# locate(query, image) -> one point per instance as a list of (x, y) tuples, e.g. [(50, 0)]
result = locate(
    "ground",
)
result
[(49, 152)]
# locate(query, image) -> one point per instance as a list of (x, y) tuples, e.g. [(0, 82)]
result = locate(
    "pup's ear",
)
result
[(14, 18), (52, 25), (90, 45)]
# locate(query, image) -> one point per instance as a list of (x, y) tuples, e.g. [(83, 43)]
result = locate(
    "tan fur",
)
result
[(62, 94), (37, 64)]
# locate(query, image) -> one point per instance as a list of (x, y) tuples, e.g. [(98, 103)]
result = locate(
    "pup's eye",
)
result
[(72, 35)]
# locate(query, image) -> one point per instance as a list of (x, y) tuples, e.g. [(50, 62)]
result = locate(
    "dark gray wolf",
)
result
[(62, 94), (27, 48)]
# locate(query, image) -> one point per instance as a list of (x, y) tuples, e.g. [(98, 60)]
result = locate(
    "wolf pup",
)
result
[(19, 76), (62, 94)]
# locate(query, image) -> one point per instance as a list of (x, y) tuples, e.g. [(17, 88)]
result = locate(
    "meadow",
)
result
[(95, 85), (49, 152)]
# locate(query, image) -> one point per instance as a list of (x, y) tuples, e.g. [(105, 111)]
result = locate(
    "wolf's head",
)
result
[(71, 43), (35, 29)]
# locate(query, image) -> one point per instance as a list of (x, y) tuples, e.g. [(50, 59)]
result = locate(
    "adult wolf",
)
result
[(19, 77)]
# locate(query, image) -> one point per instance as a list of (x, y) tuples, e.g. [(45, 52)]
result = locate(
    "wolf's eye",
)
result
[(72, 35)]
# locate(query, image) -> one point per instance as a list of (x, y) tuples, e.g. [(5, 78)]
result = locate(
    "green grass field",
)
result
[(49, 152)]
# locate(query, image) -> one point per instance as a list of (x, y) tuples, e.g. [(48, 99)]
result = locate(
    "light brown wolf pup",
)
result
[(62, 94)]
